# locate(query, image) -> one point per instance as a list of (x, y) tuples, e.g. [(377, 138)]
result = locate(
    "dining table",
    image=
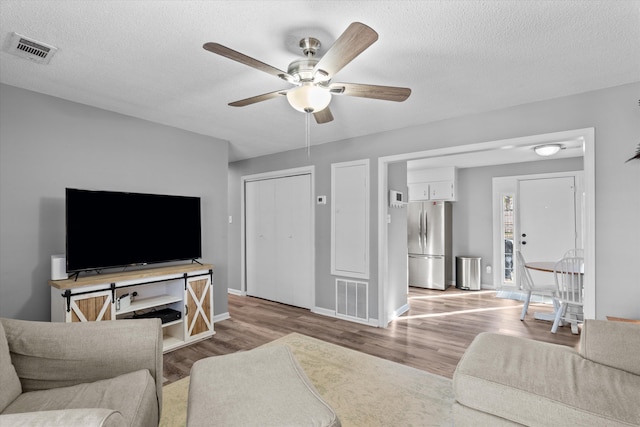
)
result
[(547, 266)]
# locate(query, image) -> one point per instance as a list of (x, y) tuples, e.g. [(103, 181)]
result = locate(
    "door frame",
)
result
[(514, 182), (587, 136), (305, 170)]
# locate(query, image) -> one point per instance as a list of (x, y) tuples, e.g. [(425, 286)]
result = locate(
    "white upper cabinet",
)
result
[(432, 183), (441, 190), (419, 191)]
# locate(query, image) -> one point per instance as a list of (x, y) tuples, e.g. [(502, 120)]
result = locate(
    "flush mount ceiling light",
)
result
[(547, 150)]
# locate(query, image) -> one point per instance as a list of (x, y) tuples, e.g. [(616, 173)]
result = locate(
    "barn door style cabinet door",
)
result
[(89, 308), (198, 307)]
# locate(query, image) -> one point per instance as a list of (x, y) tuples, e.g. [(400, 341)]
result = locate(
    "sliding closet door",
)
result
[(278, 239)]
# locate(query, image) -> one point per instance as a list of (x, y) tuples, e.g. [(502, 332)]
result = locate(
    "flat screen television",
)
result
[(115, 229)]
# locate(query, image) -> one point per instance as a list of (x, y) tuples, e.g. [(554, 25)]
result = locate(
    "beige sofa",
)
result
[(80, 374), (503, 380)]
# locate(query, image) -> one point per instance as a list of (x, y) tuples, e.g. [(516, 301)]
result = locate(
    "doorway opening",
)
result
[(488, 150)]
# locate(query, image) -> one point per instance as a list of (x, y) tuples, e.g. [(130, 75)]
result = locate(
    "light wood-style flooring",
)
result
[(431, 336)]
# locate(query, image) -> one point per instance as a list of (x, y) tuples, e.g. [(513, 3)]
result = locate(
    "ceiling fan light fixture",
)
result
[(309, 98), (547, 150)]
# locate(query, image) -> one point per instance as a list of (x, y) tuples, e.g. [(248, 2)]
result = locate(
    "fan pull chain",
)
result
[(308, 133)]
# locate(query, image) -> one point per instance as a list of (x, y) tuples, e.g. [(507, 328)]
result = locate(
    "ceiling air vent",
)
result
[(33, 50)]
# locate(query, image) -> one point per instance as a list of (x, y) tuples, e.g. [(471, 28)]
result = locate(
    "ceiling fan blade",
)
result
[(258, 98), (323, 116), (247, 60), (355, 39), (387, 93)]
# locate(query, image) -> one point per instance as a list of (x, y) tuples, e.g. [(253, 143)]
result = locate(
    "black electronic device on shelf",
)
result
[(166, 315)]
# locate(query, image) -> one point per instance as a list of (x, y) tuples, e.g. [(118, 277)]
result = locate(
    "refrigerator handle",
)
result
[(426, 230), (420, 231)]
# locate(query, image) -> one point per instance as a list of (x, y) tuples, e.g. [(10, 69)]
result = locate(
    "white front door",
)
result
[(547, 225)]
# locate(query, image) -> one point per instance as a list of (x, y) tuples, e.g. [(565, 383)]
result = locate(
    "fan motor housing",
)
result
[(302, 68)]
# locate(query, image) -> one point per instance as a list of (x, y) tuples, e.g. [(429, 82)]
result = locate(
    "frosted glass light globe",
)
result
[(309, 98), (547, 150)]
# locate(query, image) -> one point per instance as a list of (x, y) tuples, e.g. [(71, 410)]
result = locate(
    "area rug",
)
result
[(363, 390)]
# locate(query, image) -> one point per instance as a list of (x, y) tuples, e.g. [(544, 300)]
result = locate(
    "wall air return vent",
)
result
[(33, 50), (352, 300)]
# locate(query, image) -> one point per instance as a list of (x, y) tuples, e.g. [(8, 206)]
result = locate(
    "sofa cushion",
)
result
[(614, 344), (535, 383), (132, 394), (11, 387), (97, 417), (55, 354), (465, 416), (261, 387)]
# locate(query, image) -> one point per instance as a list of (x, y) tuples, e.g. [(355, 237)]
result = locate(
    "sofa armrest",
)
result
[(65, 418), (615, 344), (51, 355)]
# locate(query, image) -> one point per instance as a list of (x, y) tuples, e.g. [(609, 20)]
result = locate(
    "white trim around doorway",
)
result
[(586, 135)]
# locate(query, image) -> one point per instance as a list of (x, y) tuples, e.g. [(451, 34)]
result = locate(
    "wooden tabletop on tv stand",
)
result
[(97, 279)]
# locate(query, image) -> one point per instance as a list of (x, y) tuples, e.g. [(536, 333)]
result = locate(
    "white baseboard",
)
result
[(221, 317), (323, 311), (399, 312), (237, 292), (332, 313)]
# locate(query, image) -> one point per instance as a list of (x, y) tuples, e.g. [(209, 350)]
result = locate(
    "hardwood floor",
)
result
[(431, 336)]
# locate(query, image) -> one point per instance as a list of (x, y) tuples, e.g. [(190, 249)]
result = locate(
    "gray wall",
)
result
[(47, 144), (473, 212), (397, 249), (322, 157), (614, 114)]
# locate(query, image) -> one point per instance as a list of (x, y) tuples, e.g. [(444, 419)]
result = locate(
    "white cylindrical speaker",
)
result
[(59, 267)]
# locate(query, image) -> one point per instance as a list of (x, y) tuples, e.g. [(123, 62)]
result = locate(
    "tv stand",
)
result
[(185, 288)]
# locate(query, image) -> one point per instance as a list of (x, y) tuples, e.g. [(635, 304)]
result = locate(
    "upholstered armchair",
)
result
[(105, 373)]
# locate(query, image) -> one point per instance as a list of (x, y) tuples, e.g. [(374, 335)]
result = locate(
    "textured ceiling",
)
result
[(145, 59)]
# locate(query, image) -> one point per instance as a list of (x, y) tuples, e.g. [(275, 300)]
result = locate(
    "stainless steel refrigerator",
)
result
[(429, 242)]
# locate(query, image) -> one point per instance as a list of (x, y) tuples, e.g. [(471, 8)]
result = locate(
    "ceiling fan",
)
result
[(312, 77)]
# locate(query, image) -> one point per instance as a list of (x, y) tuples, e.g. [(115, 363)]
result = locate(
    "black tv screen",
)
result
[(115, 229)]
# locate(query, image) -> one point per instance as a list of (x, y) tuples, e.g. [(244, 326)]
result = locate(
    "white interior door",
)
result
[(547, 226), (260, 233), (294, 228), (278, 234)]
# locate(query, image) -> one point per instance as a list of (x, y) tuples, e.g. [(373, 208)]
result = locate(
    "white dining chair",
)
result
[(575, 252), (527, 285), (568, 273)]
